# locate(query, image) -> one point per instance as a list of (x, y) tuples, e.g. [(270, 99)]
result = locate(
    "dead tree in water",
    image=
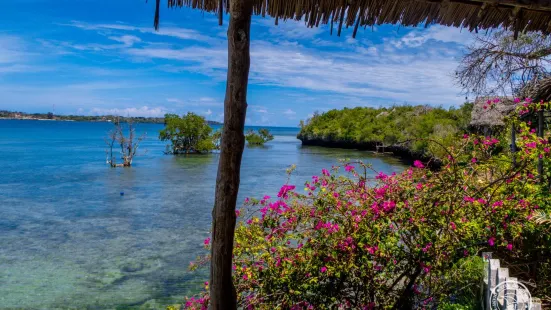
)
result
[(128, 144)]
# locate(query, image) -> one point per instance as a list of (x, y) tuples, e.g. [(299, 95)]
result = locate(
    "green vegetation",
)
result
[(258, 138), (188, 134), (403, 241), (387, 126), (85, 118)]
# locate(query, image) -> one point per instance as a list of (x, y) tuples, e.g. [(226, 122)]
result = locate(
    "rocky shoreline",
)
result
[(399, 151)]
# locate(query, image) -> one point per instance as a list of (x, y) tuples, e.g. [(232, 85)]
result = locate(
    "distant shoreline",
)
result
[(10, 115)]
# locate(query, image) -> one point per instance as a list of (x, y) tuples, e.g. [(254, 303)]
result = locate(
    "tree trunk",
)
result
[(222, 292)]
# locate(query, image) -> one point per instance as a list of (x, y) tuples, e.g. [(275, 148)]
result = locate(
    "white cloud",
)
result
[(144, 111), (180, 33), (416, 38), (208, 112), (12, 49), (289, 112), (127, 40), (397, 75)]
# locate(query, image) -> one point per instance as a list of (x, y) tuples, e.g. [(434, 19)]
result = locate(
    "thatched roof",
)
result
[(491, 117), (517, 15), (538, 90)]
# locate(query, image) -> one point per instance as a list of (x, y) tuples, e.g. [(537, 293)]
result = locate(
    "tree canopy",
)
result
[(501, 64), (188, 134), (259, 137), (388, 126)]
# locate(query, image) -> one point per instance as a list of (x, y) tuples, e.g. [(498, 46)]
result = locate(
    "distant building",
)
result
[(487, 120)]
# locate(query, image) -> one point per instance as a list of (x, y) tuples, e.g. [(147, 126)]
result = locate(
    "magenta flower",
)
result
[(517, 100), (323, 269), (418, 164), (492, 241), (237, 212), (207, 241), (474, 160), (325, 172), (336, 195), (509, 247), (381, 176), (285, 189), (453, 226), (349, 168)]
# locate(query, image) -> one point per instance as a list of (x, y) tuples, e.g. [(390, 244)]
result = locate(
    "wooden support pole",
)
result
[(222, 291), (540, 134)]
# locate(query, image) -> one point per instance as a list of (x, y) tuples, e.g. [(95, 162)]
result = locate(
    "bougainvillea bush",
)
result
[(352, 237)]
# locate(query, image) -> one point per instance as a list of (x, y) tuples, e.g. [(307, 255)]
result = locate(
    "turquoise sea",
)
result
[(69, 240)]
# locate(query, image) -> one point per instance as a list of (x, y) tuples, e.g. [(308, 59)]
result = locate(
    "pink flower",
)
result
[(207, 241), (245, 277), (474, 160), (207, 283), (492, 241), (247, 200), (323, 269), (237, 212), (465, 136), (453, 226), (325, 172), (509, 247), (418, 164), (517, 100), (285, 189), (349, 168), (336, 195)]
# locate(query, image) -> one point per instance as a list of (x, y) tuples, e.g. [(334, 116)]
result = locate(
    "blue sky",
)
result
[(104, 57)]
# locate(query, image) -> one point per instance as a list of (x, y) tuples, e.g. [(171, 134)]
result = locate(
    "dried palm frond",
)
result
[(541, 218), (517, 15)]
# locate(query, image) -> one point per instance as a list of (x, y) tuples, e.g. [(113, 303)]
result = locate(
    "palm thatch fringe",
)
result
[(517, 15), (482, 118), (538, 90), (541, 218)]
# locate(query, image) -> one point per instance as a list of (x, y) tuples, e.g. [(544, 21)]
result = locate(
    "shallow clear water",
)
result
[(68, 239)]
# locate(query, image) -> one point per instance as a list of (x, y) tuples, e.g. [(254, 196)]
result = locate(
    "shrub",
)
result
[(393, 241), (258, 138), (188, 134)]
